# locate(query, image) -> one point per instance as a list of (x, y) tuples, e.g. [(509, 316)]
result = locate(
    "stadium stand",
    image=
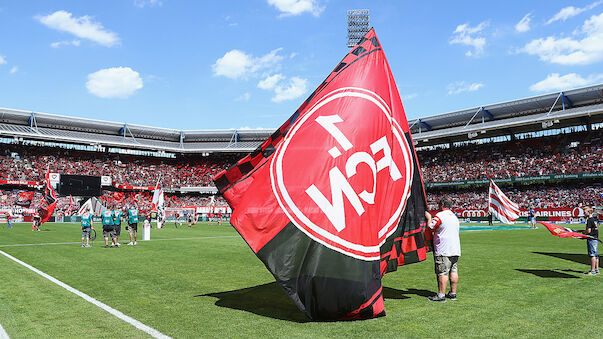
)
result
[(21, 162), (547, 148), (533, 196), (561, 154)]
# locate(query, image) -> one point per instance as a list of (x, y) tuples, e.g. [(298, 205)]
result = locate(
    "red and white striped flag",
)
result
[(500, 206)]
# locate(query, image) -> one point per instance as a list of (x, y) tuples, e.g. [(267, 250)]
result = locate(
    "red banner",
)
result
[(19, 182), (134, 188)]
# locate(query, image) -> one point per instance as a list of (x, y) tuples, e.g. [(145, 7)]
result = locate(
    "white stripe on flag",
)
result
[(503, 208), (500, 206), (504, 199)]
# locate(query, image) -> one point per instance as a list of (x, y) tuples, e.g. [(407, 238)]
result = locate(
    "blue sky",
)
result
[(250, 64)]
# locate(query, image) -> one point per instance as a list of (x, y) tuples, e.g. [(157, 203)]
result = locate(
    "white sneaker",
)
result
[(135, 243), (130, 243)]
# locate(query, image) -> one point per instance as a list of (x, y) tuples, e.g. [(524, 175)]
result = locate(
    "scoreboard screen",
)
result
[(80, 185)]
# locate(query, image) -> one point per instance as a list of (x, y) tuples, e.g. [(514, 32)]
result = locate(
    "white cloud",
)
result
[(554, 82), (83, 27), (238, 64), (470, 36), (116, 82), (2, 59), (409, 96), (149, 3), (296, 7), (58, 44), (524, 24), (293, 90), (244, 97), (587, 48), (284, 89), (270, 82), (14, 70), (462, 86), (571, 11)]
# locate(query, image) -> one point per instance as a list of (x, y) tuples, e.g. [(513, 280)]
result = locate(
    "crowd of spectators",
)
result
[(561, 154), (144, 200), (111, 199), (540, 196), (19, 162)]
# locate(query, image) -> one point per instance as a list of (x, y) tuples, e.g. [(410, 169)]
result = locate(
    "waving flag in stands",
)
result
[(25, 198), (565, 232), (334, 199), (50, 201), (500, 206), (158, 203)]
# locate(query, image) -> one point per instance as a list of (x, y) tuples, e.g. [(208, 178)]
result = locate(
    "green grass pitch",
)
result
[(206, 282)]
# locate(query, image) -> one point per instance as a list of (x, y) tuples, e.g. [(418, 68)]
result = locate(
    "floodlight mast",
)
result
[(358, 25)]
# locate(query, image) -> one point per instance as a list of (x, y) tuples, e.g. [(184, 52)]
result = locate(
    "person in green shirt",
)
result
[(132, 224), (117, 216), (108, 231), (86, 227)]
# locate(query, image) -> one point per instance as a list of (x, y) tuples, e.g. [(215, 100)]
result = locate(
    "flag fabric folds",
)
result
[(50, 201), (25, 198), (500, 206), (564, 232), (334, 199)]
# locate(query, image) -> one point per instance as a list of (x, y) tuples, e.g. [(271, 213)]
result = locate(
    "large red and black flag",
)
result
[(50, 201), (334, 199)]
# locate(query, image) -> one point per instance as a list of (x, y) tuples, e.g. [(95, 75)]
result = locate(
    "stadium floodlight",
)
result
[(358, 25)]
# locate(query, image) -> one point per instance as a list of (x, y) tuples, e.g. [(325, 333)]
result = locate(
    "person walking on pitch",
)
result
[(108, 232), (86, 228)]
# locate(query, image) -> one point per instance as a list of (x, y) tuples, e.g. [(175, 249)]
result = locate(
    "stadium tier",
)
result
[(546, 150)]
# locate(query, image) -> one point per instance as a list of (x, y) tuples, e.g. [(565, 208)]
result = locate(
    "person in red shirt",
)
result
[(9, 220)]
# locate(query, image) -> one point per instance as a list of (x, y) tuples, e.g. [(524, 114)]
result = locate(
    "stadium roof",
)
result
[(561, 109)]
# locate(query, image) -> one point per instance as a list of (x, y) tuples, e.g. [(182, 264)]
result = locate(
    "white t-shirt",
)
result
[(446, 240)]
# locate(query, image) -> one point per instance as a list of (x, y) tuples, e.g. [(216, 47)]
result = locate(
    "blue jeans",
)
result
[(10, 223), (591, 246)]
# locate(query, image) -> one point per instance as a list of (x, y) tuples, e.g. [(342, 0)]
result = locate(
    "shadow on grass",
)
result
[(269, 300), (394, 293), (579, 258), (548, 274)]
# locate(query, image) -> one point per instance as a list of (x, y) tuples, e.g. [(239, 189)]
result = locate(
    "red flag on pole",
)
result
[(564, 232), (334, 198), (50, 200)]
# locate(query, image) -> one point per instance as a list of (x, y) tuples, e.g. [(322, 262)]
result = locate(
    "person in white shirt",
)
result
[(446, 249)]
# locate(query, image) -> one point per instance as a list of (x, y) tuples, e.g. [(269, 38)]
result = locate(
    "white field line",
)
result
[(3, 334), (149, 330), (78, 242)]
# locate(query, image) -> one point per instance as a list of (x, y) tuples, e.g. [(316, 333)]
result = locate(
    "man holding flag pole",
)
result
[(158, 204)]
